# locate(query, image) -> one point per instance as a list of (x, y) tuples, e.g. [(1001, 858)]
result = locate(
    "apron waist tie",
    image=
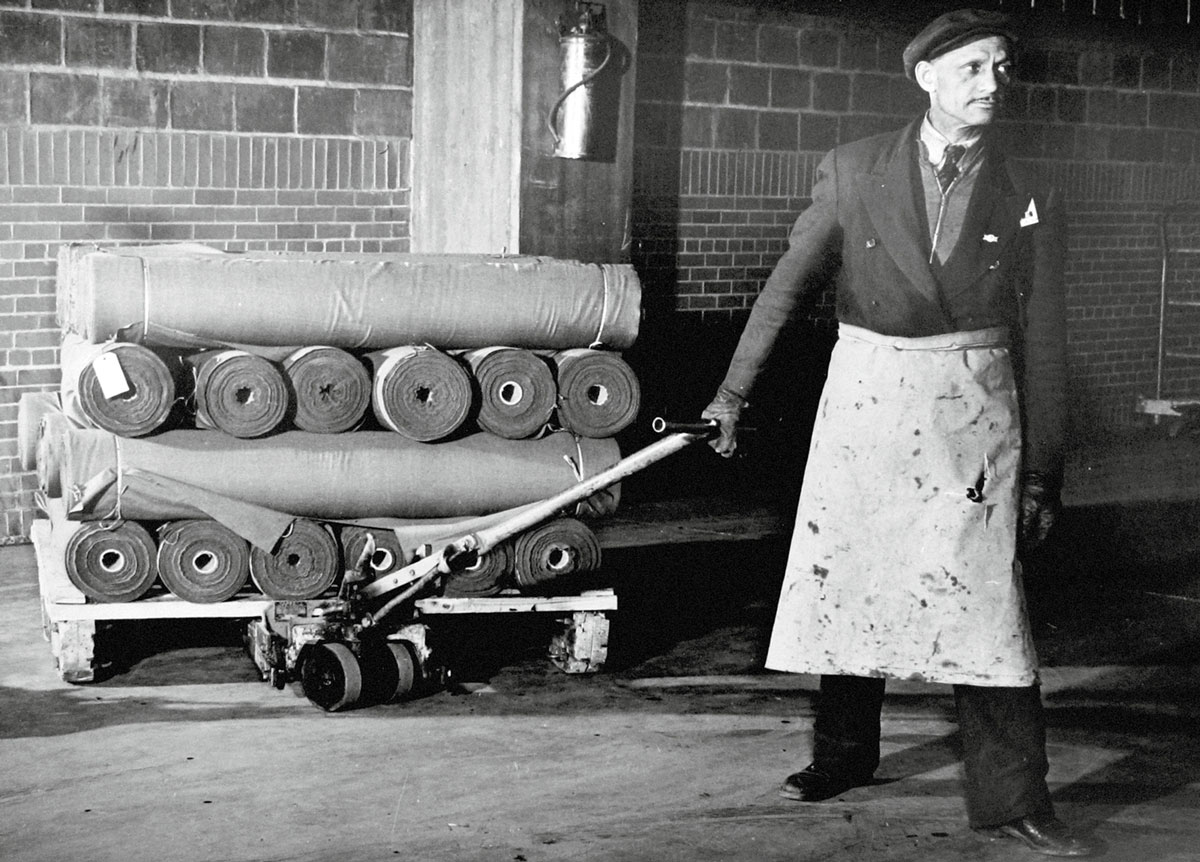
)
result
[(996, 336)]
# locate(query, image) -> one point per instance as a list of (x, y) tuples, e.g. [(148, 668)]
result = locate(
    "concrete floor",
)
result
[(673, 753)]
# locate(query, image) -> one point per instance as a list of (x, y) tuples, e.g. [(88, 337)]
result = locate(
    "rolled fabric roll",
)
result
[(52, 449), (420, 393), (111, 562), (387, 557), (485, 577), (128, 389), (202, 561), (553, 550), (30, 410), (598, 393), (355, 301), (239, 393), (366, 474), (330, 389), (303, 565), (516, 390)]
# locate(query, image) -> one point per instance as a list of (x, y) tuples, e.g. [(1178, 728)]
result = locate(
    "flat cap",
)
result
[(953, 30)]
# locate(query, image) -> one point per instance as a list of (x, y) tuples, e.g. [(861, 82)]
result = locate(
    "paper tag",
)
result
[(1031, 216), (110, 375)]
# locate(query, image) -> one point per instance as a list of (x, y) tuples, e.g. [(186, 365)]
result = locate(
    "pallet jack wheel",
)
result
[(331, 676), (406, 669)]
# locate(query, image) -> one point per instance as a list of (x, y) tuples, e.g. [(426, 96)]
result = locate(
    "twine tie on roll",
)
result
[(576, 463), (113, 518), (145, 298), (599, 340)]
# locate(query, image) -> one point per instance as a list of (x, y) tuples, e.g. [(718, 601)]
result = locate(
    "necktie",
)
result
[(948, 172)]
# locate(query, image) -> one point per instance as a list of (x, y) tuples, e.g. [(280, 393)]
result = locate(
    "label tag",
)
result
[(110, 375), (1031, 216)]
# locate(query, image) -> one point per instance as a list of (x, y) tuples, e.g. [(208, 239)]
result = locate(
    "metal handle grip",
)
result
[(708, 428)]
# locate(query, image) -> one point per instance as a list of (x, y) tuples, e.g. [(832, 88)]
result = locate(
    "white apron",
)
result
[(903, 558)]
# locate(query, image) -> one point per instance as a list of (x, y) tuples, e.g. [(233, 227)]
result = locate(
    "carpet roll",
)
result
[(484, 577), (51, 451), (387, 557), (554, 550), (420, 393), (598, 393), (111, 562), (202, 561), (32, 407), (128, 389), (365, 474), (330, 389), (516, 390), (354, 301), (237, 392), (303, 566)]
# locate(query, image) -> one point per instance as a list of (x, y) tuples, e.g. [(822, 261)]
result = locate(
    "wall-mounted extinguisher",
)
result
[(583, 120)]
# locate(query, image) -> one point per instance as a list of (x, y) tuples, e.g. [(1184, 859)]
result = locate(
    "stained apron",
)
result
[(903, 558)]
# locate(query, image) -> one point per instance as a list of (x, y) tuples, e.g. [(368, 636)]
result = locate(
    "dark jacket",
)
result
[(868, 222)]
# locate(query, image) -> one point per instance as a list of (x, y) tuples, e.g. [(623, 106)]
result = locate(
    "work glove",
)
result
[(1040, 504), (726, 409)]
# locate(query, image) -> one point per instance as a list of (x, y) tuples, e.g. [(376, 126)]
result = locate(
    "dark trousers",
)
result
[(1003, 734)]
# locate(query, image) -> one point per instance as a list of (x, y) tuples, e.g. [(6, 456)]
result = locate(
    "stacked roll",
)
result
[(261, 421)]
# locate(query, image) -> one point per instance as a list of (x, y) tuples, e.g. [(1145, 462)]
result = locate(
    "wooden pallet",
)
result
[(70, 620)]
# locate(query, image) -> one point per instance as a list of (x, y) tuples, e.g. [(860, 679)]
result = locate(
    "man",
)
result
[(938, 446)]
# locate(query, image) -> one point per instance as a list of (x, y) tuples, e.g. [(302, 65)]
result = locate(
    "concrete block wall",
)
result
[(264, 124), (738, 102)]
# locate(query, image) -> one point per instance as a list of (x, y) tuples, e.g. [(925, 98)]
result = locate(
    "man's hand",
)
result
[(725, 409), (1040, 504)]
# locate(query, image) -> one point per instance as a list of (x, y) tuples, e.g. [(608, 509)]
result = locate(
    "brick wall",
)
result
[(737, 102), (265, 124)]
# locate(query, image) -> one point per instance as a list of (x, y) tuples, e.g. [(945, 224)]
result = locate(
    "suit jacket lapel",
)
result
[(888, 193)]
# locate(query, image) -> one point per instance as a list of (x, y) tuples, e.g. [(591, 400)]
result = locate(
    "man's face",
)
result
[(966, 86)]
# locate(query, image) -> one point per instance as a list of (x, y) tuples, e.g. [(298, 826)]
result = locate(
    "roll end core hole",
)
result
[(597, 394), (382, 560), (559, 560), (112, 561), (511, 393), (205, 562)]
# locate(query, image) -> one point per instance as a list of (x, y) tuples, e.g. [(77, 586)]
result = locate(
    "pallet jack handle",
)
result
[(422, 571)]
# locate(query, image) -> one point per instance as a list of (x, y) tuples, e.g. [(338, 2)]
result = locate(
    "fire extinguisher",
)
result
[(583, 119)]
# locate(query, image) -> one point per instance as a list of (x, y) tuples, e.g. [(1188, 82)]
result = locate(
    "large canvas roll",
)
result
[(30, 410), (191, 292), (554, 550), (111, 562), (386, 556), (365, 474), (304, 564), (516, 390), (330, 389), (128, 389), (484, 576), (50, 449), (238, 392), (202, 561), (598, 393), (419, 392)]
